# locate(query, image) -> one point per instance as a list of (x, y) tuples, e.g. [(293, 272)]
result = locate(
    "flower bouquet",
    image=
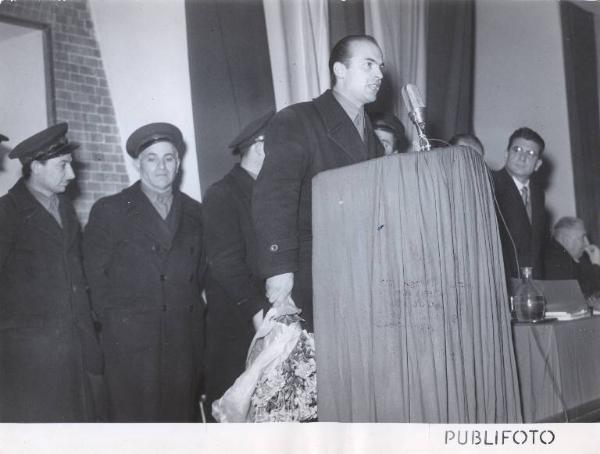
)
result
[(279, 383)]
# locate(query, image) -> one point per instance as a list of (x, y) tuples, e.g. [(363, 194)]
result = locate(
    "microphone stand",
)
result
[(424, 144)]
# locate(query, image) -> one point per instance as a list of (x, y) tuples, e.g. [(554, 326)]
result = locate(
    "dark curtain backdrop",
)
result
[(345, 18), (230, 74), (579, 43), (450, 56)]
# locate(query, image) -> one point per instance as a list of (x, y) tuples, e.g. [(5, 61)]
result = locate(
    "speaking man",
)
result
[(143, 259), (302, 140), (50, 360)]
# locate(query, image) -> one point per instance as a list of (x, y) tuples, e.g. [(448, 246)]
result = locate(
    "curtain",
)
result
[(399, 27), (412, 320), (581, 75), (450, 55), (230, 77), (298, 35)]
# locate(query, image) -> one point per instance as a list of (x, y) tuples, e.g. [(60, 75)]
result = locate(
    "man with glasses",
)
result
[(520, 196)]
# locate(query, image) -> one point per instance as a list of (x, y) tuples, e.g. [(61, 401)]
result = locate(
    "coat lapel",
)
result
[(70, 223), (515, 196), (340, 128), (144, 217), (34, 213)]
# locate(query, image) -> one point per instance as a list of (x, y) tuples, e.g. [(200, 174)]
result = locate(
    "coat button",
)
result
[(163, 277), (274, 248), (164, 308), (74, 288)]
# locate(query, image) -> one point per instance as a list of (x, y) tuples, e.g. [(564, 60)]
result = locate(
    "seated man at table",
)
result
[(570, 255)]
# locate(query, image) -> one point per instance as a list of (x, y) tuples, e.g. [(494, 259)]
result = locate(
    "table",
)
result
[(558, 364)]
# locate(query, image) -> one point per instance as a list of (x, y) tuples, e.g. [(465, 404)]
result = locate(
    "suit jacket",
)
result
[(146, 282), (234, 290), (528, 237), (47, 339), (558, 264), (302, 140)]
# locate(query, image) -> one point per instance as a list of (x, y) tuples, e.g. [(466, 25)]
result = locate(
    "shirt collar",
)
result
[(351, 109), (46, 201), (153, 194), (519, 184)]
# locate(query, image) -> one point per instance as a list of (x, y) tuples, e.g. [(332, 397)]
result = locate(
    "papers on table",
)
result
[(562, 315)]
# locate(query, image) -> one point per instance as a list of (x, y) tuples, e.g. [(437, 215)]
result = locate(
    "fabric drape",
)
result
[(298, 35), (412, 322), (450, 57), (559, 369), (399, 27)]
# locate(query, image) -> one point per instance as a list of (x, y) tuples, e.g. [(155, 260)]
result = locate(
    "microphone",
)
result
[(413, 101)]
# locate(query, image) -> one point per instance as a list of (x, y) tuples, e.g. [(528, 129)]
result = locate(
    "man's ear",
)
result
[(339, 69), (136, 163), (35, 166), (538, 164)]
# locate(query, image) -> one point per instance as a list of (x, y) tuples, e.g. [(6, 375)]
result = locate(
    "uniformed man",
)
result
[(235, 292), (49, 356), (143, 259)]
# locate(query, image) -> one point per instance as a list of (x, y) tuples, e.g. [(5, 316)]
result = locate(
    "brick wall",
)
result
[(80, 95)]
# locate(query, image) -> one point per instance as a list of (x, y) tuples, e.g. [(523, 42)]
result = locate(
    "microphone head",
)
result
[(413, 101), (411, 95)]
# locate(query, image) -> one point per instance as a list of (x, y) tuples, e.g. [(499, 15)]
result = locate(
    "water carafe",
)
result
[(528, 301)]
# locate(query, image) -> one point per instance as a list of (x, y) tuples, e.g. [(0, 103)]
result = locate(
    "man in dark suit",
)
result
[(302, 140), (143, 259), (234, 290), (50, 360), (570, 255), (521, 207)]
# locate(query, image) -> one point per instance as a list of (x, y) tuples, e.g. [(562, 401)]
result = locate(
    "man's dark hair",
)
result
[(527, 134), (341, 52), (26, 167), (26, 170), (467, 139)]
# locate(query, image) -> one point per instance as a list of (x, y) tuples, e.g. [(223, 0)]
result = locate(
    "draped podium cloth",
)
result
[(412, 322)]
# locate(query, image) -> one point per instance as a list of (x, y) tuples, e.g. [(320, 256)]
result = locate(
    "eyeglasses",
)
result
[(530, 154)]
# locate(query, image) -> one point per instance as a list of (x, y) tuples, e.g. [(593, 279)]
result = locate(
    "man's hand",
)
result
[(279, 287), (593, 252), (257, 319)]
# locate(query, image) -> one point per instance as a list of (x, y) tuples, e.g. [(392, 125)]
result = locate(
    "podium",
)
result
[(411, 316)]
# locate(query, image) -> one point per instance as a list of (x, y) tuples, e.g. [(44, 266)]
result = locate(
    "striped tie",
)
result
[(526, 201)]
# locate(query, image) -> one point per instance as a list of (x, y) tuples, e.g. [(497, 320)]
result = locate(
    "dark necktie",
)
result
[(162, 206)]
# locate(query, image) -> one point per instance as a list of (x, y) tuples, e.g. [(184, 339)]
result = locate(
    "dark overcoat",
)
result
[(47, 340), (529, 237), (146, 285), (301, 141), (234, 290), (559, 265)]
